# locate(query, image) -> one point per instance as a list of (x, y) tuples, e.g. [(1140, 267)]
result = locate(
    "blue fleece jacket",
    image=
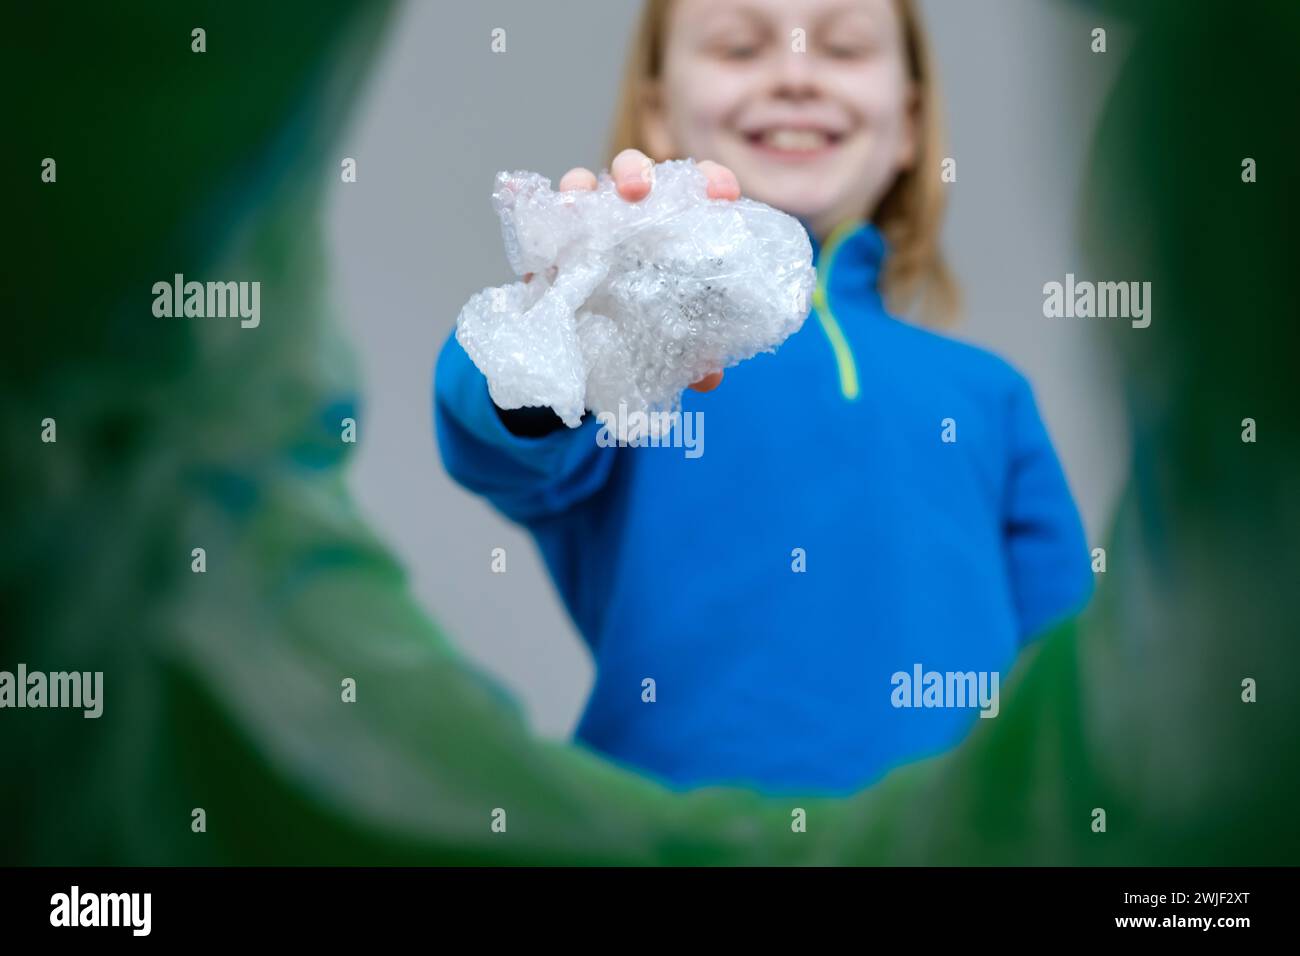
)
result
[(871, 497)]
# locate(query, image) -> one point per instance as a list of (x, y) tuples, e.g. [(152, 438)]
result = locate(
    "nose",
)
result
[(794, 74)]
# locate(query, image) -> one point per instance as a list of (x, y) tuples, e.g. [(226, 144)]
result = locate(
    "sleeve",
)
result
[(527, 478), (1047, 552)]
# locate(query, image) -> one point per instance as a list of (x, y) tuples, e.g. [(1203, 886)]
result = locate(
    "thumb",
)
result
[(708, 383)]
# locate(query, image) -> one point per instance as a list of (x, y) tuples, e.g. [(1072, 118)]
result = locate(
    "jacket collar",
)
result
[(849, 265)]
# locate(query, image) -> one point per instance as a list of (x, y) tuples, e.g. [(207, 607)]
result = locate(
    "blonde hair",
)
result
[(916, 276)]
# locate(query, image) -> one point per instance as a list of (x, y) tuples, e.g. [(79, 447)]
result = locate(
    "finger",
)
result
[(576, 179), (633, 173), (723, 183), (708, 383)]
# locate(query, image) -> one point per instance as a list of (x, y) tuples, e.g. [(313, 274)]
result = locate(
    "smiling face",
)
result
[(808, 101)]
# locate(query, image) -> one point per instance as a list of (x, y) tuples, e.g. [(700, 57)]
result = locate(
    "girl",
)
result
[(873, 498)]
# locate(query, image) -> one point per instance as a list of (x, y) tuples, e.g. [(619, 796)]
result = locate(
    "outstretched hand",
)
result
[(633, 174)]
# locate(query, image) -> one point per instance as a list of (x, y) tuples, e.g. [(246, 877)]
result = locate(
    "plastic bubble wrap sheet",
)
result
[(632, 302)]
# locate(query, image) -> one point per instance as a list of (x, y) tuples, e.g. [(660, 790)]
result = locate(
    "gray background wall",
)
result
[(415, 236)]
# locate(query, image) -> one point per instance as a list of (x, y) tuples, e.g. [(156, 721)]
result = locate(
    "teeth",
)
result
[(794, 139)]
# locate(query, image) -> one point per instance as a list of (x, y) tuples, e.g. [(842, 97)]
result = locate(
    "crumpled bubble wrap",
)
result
[(632, 302)]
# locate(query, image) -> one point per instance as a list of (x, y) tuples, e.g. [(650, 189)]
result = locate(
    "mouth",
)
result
[(793, 143)]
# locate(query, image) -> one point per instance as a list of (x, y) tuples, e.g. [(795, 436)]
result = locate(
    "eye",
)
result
[(737, 42), (736, 48), (840, 50)]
